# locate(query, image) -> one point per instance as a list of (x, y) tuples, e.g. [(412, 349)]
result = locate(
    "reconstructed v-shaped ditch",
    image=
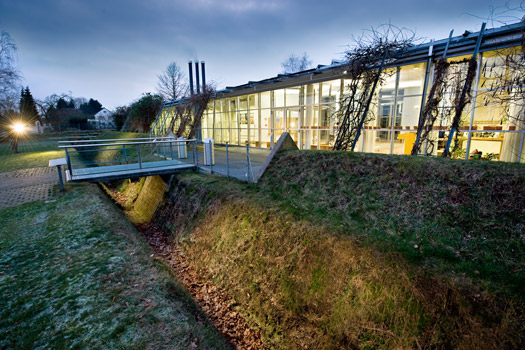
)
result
[(213, 301), (344, 250)]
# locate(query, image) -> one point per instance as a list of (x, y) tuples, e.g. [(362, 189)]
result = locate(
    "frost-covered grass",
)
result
[(75, 274), (33, 151)]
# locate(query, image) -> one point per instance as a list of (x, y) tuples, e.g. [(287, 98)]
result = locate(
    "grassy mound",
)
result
[(461, 218), (346, 250)]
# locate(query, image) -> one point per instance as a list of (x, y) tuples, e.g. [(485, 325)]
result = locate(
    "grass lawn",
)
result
[(35, 151), (75, 274)]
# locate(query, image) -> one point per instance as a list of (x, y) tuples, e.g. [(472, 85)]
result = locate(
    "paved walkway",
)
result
[(27, 185)]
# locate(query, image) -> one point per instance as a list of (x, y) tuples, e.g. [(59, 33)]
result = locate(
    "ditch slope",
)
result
[(347, 250)]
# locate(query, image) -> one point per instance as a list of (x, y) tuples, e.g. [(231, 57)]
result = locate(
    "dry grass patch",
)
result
[(460, 218), (306, 286)]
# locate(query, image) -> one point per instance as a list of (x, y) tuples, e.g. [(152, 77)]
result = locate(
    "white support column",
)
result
[(394, 115), (520, 151)]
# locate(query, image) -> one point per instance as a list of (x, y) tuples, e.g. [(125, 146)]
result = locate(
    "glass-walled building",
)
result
[(306, 104)]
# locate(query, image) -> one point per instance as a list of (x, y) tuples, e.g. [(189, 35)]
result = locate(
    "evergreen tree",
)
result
[(144, 111), (92, 107), (28, 106), (120, 115), (61, 103)]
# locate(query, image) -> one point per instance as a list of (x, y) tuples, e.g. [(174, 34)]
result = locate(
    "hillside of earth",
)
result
[(357, 251)]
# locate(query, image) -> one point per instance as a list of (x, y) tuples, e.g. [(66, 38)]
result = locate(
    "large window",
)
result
[(278, 98), (292, 96), (490, 125)]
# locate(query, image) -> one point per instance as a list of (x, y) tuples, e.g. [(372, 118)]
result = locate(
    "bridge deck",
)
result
[(123, 171), (113, 159)]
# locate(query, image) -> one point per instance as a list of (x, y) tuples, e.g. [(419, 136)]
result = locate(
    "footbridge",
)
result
[(112, 159)]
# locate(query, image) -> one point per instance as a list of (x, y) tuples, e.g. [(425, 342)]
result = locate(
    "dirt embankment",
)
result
[(334, 252)]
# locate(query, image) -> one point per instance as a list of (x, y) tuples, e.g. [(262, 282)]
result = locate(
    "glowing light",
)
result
[(18, 128)]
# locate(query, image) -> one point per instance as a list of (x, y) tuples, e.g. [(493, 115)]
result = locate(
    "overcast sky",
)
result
[(113, 50)]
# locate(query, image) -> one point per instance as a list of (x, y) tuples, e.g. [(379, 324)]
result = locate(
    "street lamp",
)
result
[(18, 129)]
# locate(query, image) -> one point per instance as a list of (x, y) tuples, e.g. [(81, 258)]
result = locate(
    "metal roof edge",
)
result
[(510, 35)]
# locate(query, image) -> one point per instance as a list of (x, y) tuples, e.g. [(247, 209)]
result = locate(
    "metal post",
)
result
[(520, 151), (69, 163), (196, 153), (448, 43), (124, 150), (171, 149), (211, 157), (248, 162), (474, 97), (369, 101), (394, 115), (421, 122), (446, 151), (227, 161), (60, 178), (140, 158)]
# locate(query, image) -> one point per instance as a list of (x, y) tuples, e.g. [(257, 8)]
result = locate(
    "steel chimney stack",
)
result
[(203, 75), (197, 77), (190, 66)]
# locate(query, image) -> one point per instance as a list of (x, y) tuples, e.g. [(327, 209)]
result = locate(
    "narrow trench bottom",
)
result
[(217, 305)]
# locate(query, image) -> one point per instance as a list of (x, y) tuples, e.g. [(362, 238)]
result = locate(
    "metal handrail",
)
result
[(98, 147), (108, 140), (126, 143)]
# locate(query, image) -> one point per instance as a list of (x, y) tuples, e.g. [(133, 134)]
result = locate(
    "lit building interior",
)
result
[(306, 104)]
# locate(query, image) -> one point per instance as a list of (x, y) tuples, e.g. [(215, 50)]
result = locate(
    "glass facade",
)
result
[(308, 111)]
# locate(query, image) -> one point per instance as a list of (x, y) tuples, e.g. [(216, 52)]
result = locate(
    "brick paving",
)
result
[(27, 185)]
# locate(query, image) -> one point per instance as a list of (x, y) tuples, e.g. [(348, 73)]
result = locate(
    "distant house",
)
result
[(103, 119)]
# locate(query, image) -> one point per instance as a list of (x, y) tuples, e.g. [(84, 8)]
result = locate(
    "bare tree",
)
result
[(508, 88), (510, 12), (9, 75), (47, 104), (365, 67), (296, 63), (505, 84), (171, 85), (430, 111), (188, 115)]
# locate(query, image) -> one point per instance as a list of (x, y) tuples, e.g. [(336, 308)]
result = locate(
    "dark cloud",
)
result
[(112, 50)]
